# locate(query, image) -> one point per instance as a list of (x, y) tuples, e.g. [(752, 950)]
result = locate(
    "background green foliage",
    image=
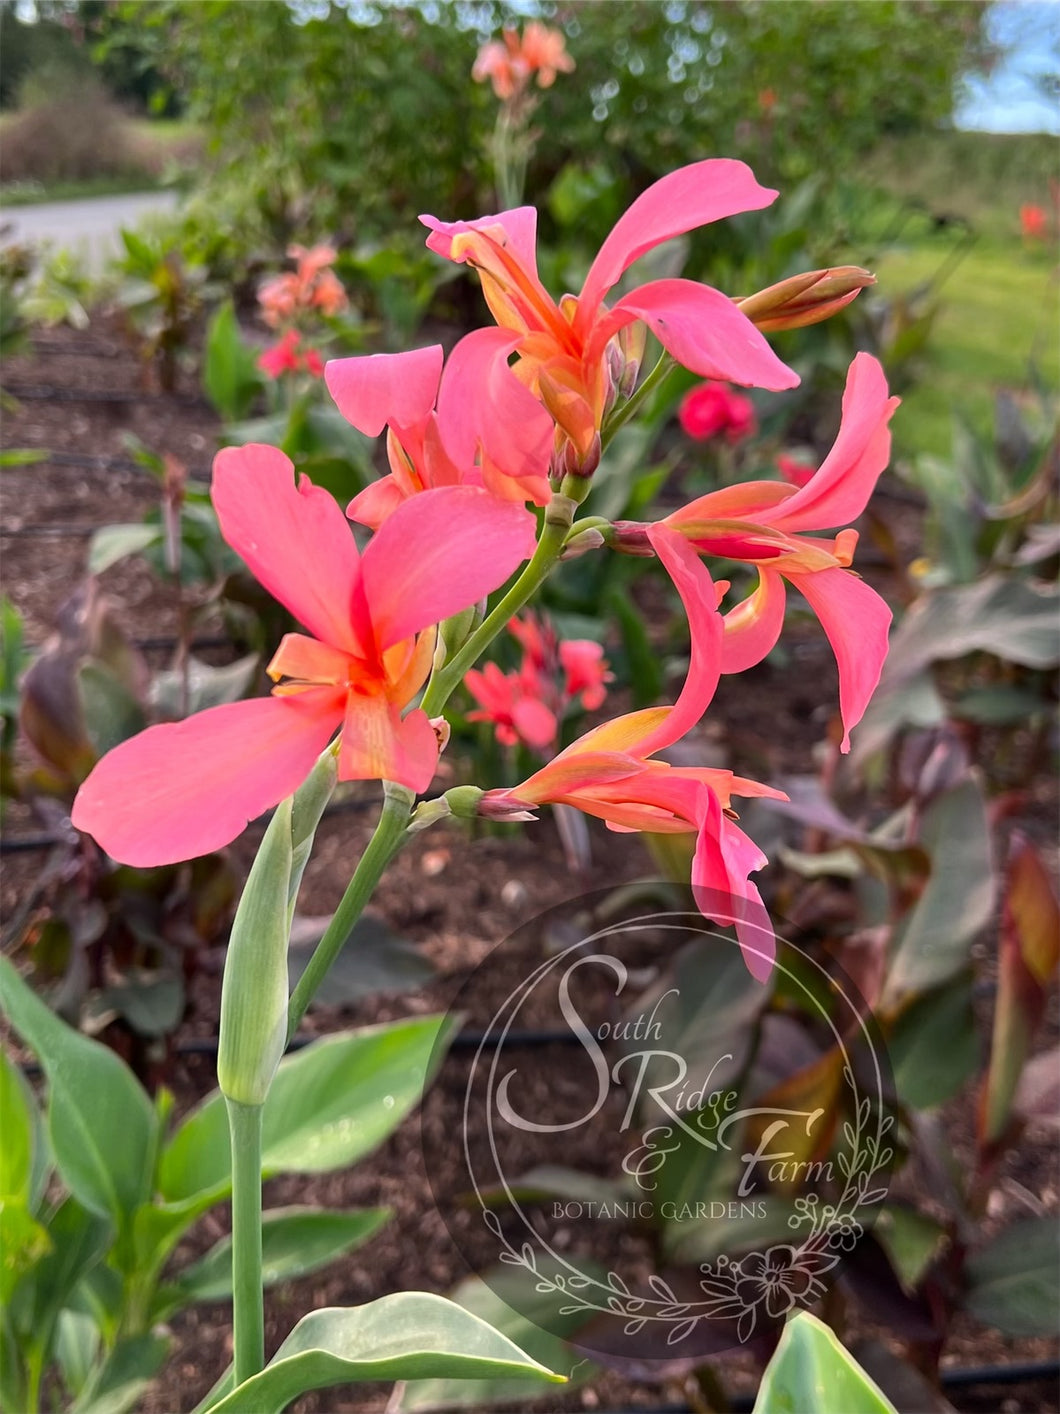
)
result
[(353, 118)]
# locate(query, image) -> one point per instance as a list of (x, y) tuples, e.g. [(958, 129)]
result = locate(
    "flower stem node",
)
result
[(253, 1031)]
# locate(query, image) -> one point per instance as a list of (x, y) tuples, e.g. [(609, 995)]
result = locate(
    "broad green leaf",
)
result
[(810, 1370), (230, 373), (330, 1104), (112, 543), (79, 1241), (407, 1336), (372, 959), (910, 1240), (1014, 1281), (179, 693), (23, 1242), (102, 1127), (512, 1301), (294, 1241), (112, 713), (934, 1046), (77, 1340), (1000, 614), (122, 1378), (17, 1128), (958, 899)]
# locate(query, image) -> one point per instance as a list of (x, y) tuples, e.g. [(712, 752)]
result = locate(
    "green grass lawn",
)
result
[(996, 328)]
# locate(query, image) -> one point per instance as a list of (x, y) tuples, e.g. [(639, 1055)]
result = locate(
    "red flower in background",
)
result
[(714, 410), (528, 705), (1033, 222), (290, 355)]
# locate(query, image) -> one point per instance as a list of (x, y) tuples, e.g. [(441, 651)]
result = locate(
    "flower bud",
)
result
[(632, 340), (428, 813), (463, 801), (580, 544), (805, 299), (254, 991), (307, 806), (455, 631)]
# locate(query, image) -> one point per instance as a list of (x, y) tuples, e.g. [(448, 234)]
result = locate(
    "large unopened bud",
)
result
[(805, 299), (253, 1031)]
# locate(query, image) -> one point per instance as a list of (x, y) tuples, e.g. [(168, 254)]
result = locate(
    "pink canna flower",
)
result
[(290, 355), (312, 286), (571, 353), (527, 706), (472, 424), (514, 705), (611, 772), (185, 788), (510, 63), (712, 410), (586, 671), (761, 523), (794, 471)]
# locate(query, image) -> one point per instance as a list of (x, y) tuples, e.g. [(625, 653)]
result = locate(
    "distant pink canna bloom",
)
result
[(761, 522), (528, 705), (511, 62), (312, 285), (1033, 222), (714, 410), (291, 355), (611, 772), (472, 423), (571, 353), (185, 788)]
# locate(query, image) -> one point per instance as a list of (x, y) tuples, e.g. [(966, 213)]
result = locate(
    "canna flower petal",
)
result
[(856, 621), (380, 388), (438, 553), (485, 412), (187, 788), (841, 488), (705, 333), (723, 860), (753, 627), (379, 744), (692, 196), (295, 541)]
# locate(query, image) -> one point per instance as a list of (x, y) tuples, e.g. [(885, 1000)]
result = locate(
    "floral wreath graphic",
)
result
[(760, 1284)]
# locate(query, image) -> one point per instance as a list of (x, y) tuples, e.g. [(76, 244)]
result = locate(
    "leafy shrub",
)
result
[(67, 129)]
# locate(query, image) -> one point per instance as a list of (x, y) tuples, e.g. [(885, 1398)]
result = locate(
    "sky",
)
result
[(1010, 101)]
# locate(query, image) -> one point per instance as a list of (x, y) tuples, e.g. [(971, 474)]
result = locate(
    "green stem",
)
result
[(558, 518), (248, 1311), (384, 844), (635, 402)]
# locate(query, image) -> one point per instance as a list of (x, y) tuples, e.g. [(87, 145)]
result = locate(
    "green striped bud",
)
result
[(254, 991)]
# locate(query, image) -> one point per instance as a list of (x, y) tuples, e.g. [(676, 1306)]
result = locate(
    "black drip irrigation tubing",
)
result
[(46, 393), (69, 531), (74, 461), (32, 844)]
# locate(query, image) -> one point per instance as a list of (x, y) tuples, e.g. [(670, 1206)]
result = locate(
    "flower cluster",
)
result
[(520, 414), (510, 63), (287, 300), (714, 410), (528, 705)]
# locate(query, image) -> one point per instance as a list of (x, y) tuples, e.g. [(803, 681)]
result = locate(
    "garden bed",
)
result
[(456, 896)]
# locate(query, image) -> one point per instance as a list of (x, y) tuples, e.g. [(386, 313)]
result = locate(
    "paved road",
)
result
[(88, 227)]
